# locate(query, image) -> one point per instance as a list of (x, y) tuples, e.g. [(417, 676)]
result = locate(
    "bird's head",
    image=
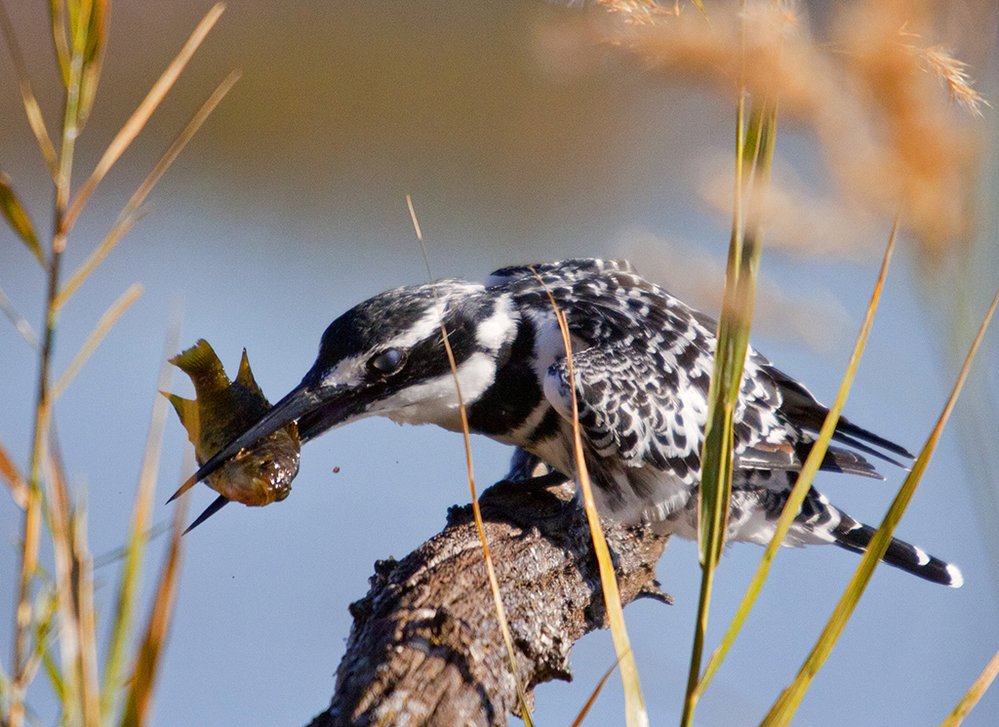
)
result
[(386, 356)]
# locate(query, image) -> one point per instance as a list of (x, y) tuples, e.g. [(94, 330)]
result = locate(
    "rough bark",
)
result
[(425, 647)]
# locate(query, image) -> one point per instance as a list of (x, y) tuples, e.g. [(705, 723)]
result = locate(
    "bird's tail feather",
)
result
[(856, 536)]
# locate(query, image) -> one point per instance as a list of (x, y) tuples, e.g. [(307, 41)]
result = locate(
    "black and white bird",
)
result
[(642, 361)]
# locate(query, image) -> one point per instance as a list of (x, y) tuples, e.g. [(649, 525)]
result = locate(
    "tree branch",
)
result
[(425, 648)]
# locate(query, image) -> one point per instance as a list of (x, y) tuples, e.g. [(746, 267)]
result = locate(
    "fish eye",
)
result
[(387, 362)]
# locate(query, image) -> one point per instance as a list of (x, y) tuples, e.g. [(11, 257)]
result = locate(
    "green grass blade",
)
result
[(60, 41), (55, 676), (787, 704), (975, 693), (32, 110), (754, 155), (808, 470), (93, 56), (44, 629)]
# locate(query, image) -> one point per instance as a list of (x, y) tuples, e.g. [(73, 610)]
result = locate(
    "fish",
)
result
[(220, 412)]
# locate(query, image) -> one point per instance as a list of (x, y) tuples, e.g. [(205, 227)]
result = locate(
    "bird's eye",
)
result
[(388, 361)]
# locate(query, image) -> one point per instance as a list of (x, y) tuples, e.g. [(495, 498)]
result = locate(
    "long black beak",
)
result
[(300, 401), (217, 504)]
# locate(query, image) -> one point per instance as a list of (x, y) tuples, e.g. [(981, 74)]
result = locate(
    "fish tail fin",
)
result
[(198, 359), (201, 363)]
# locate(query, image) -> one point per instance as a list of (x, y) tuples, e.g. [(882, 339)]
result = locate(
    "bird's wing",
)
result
[(799, 407), (643, 372), (624, 413)]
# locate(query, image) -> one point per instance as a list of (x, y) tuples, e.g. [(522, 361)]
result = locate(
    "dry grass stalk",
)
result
[(20, 323), (132, 210), (15, 481), (143, 678), (74, 603), (588, 704), (786, 705), (636, 714), (18, 219), (133, 552), (110, 317), (32, 110), (525, 710), (809, 468), (975, 693), (137, 121)]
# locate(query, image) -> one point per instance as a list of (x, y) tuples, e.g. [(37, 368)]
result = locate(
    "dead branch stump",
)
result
[(425, 647)]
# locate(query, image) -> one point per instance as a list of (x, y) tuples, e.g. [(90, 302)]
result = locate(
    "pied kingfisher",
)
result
[(641, 362)]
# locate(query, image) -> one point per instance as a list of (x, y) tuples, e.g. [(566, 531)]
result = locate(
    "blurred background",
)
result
[(521, 138)]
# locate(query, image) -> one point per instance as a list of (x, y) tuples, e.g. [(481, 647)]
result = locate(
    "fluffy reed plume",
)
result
[(639, 12), (798, 219), (888, 108), (953, 73)]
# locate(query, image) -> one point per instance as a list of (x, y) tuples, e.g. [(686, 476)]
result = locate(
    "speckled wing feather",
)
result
[(643, 369), (623, 414)]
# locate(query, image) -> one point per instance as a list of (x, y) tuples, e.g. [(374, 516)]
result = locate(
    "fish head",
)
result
[(261, 474)]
